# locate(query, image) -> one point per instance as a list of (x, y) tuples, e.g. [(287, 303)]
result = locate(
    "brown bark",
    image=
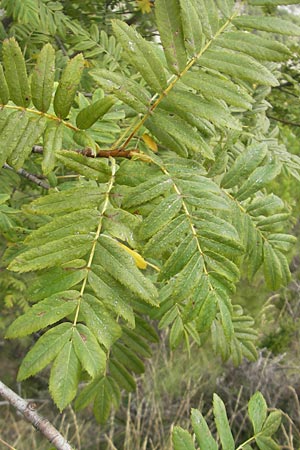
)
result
[(28, 410)]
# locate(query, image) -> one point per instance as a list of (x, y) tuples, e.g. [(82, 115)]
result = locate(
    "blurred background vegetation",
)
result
[(167, 390)]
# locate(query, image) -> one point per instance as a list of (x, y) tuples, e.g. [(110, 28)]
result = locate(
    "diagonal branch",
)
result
[(286, 122), (29, 176), (27, 409)]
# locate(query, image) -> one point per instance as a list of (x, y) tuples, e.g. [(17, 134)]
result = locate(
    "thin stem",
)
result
[(173, 80), (240, 447), (89, 264), (39, 113), (7, 445), (28, 410)]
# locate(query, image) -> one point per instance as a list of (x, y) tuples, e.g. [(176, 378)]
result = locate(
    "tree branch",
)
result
[(27, 409), (116, 153), (286, 122), (29, 176)]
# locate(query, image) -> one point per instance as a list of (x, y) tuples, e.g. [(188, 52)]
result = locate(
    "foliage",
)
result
[(160, 190), (264, 426)]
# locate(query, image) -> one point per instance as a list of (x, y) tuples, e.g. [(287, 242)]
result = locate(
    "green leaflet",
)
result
[(88, 393), (42, 79), (52, 253), (141, 55), (254, 246), (33, 131), (73, 199), (266, 443), (272, 423), (182, 102), (44, 313), (99, 321), (169, 25), (282, 242), (160, 216), (112, 294), (45, 350), (165, 137), (103, 401), (177, 331), (211, 86), (121, 376), (259, 178), (146, 330), (244, 165), (53, 138), (276, 268), (255, 46), (78, 222), (56, 280), (85, 140), (265, 206), (4, 92), (168, 317), (67, 86), (266, 23), (202, 432), (128, 358), (147, 191), (178, 259), (14, 127), (257, 410), (188, 278), (207, 307), (226, 317), (64, 376), (239, 66), (170, 234), (222, 424), (15, 73), (130, 92), (121, 224), (88, 351), (89, 115), (205, 15), (191, 27), (92, 168), (122, 267), (179, 130), (273, 223), (136, 343), (212, 15), (181, 439), (222, 265), (225, 6)]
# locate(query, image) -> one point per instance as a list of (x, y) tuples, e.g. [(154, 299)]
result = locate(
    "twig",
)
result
[(29, 176), (27, 409), (7, 445), (117, 152), (287, 122)]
